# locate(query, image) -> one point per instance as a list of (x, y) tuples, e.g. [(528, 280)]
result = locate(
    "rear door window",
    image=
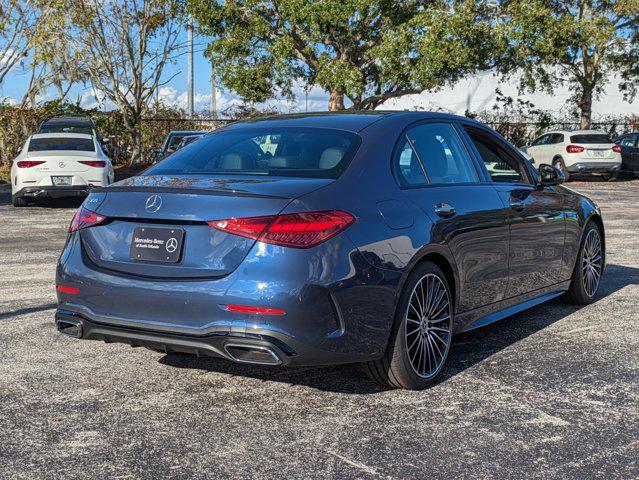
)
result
[(442, 154), (66, 143)]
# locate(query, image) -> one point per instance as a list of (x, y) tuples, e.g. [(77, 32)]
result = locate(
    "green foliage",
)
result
[(367, 50), (580, 42)]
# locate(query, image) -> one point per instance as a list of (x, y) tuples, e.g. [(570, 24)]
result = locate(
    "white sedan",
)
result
[(58, 165)]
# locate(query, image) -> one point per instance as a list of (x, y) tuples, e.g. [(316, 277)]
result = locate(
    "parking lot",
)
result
[(549, 393)]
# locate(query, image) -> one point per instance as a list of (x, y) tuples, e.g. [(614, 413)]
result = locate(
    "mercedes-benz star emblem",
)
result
[(62, 165), (171, 245), (153, 203)]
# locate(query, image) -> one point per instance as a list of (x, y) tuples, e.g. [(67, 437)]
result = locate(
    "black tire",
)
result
[(19, 201), (559, 163), (396, 369), (607, 177), (578, 293)]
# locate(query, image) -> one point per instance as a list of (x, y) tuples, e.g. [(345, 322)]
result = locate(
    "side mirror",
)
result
[(549, 175)]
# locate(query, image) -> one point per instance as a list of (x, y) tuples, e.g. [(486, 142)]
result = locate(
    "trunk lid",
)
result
[(597, 151), (61, 162), (182, 205)]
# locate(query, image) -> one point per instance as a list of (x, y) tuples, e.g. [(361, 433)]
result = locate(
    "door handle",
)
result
[(517, 205), (445, 210)]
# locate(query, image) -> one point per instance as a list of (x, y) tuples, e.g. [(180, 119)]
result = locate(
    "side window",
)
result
[(442, 154), (540, 141), (407, 167), (627, 141), (556, 138), (502, 167)]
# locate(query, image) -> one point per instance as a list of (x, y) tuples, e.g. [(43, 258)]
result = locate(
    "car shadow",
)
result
[(468, 349)]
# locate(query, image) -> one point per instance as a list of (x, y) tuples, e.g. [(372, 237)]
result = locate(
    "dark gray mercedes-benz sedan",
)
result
[(328, 238)]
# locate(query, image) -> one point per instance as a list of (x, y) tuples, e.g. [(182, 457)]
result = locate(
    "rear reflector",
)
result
[(67, 289), (84, 218), (297, 230), (93, 163), (254, 310), (616, 149), (29, 163), (574, 149)]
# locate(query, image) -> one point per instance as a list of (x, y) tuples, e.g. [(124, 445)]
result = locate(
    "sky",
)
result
[(174, 92), (474, 93)]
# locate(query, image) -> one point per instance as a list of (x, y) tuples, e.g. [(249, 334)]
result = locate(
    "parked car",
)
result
[(188, 140), (172, 141), (578, 152), (629, 145), (328, 238), (58, 165)]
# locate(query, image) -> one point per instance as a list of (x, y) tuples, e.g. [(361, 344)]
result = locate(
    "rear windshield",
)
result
[(591, 138), (52, 144), (288, 152), (62, 128)]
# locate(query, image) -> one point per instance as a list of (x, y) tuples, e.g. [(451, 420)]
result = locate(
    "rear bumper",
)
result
[(54, 192), (594, 167), (256, 348)]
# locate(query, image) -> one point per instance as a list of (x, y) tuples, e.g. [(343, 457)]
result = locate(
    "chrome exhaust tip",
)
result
[(71, 328), (253, 354)]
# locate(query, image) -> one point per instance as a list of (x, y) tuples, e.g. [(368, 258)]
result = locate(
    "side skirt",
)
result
[(488, 314)]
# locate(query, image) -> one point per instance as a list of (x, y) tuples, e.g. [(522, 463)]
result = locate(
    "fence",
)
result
[(16, 125)]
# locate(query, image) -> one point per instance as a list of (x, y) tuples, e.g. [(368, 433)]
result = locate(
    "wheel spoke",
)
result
[(427, 344)]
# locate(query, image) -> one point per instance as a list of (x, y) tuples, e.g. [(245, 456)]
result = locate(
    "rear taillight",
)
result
[(84, 218), (574, 149), (616, 149), (93, 163), (29, 163), (297, 230)]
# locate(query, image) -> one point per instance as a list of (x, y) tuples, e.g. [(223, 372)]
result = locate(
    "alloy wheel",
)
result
[(428, 326), (591, 262)]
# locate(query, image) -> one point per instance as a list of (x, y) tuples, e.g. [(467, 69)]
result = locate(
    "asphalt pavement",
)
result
[(552, 392)]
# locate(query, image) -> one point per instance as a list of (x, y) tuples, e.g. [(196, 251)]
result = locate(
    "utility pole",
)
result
[(189, 30), (214, 92)]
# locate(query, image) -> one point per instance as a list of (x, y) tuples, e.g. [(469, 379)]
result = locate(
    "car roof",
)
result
[(62, 135), (577, 132), (188, 132), (354, 121), (69, 120)]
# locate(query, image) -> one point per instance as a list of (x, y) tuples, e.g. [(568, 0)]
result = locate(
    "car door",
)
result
[(535, 215), (553, 147), (536, 149), (437, 174)]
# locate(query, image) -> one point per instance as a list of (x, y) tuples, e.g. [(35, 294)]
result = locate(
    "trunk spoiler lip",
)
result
[(188, 191)]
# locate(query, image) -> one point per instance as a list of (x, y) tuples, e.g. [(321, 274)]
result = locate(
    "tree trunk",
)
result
[(585, 107), (136, 147), (335, 101)]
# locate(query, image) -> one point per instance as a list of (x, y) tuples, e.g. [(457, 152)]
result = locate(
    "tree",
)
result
[(123, 47), (363, 50), (24, 25), (578, 42)]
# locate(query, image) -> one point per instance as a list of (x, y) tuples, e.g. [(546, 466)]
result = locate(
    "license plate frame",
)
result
[(597, 153), (61, 180), (157, 245)]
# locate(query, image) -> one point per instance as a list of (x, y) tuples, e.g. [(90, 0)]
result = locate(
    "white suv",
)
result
[(578, 151), (58, 165)]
